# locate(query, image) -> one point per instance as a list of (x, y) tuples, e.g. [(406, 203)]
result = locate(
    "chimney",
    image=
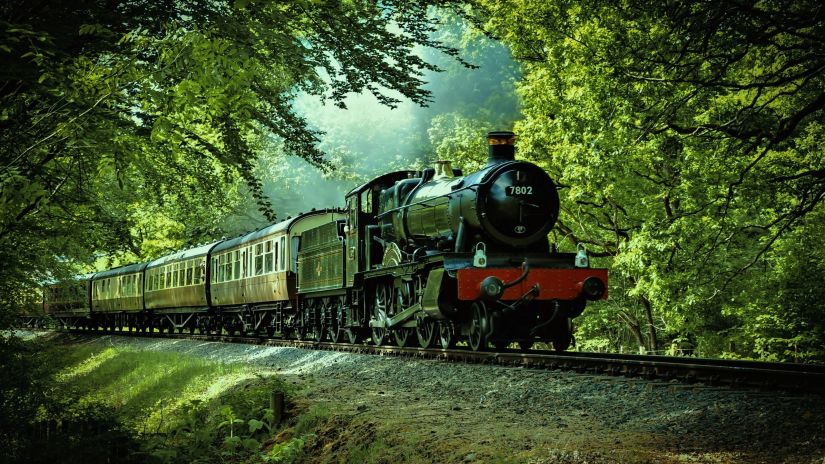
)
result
[(443, 168), (502, 147)]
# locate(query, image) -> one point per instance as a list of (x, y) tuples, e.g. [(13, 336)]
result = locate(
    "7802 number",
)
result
[(519, 190)]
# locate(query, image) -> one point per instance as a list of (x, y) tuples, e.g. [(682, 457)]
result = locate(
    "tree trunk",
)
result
[(633, 324), (653, 342)]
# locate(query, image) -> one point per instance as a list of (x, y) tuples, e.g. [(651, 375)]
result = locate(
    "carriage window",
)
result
[(228, 266), (282, 266), (275, 254), (198, 272), (214, 270), (237, 264), (268, 257), (222, 268), (259, 259), (189, 272), (181, 274)]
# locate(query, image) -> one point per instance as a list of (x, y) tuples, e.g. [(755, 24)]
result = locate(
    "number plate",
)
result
[(519, 190)]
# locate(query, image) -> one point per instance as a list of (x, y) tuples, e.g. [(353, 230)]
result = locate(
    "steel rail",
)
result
[(801, 378)]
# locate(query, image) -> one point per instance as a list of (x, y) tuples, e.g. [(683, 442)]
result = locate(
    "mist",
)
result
[(368, 138)]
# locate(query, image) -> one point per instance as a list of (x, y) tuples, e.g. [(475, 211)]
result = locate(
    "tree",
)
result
[(121, 119), (686, 137)]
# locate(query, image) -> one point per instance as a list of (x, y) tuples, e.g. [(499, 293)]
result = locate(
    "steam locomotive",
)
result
[(427, 258)]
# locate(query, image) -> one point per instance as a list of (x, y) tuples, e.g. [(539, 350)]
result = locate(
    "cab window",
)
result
[(366, 201)]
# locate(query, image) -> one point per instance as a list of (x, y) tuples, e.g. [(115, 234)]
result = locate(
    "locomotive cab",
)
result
[(362, 251)]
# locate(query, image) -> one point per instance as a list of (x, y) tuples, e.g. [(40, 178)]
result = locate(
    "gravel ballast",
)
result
[(479, 413)]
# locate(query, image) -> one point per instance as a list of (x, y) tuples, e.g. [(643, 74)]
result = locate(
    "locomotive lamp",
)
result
[(492, 288), (593, 288)]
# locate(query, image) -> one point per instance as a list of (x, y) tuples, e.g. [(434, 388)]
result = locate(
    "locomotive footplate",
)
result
[(553, 284)]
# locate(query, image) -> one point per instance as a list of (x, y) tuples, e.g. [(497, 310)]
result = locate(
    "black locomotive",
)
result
[(428, 257)]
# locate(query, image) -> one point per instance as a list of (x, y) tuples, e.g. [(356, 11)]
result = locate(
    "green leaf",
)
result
[(255, 425)]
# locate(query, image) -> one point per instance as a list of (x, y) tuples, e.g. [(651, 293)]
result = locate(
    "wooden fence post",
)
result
[(276, 404)]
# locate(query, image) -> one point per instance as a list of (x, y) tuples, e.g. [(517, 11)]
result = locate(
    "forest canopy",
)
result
[(122, 121), (685, 136)]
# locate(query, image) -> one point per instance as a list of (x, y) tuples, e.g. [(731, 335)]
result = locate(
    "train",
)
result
[(428, 258)]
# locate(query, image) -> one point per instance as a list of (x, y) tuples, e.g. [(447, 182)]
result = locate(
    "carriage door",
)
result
[(351, 230)]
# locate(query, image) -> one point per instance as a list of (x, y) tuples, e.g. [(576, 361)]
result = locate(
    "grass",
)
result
[(117, 404), (168, 407)]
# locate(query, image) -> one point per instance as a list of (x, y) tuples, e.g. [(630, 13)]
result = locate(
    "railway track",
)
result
[(801, 378)]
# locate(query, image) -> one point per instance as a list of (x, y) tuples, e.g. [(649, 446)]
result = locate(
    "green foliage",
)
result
[(100, 404), (685, 137), (40, 422), (286, 453), (130, 129)]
